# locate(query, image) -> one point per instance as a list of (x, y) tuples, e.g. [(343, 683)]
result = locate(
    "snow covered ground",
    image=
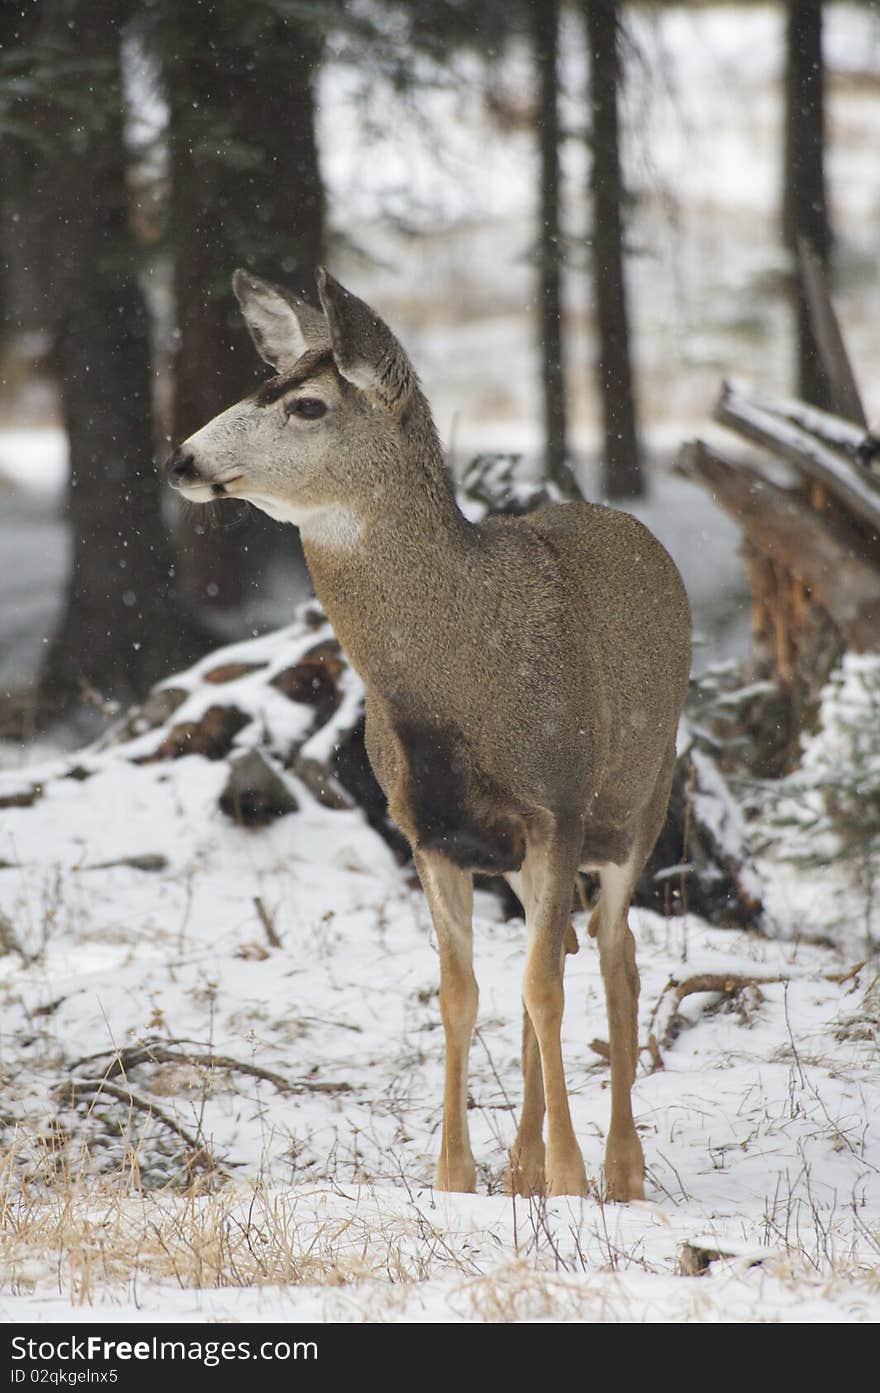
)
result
[(266, 1144)]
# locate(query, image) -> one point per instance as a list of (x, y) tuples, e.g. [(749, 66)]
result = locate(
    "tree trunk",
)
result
[(622, 471), (805, 206), (246, 190), (545, 21), (121, 628), (24, 226)]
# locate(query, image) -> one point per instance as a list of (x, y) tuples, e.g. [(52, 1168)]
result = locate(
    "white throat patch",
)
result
[(329, 525)]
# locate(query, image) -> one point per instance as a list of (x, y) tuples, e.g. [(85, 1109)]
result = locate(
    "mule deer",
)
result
[(524, 679)]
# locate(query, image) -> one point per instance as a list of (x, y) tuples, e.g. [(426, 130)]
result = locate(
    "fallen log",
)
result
[(756, 418), (823, 552)]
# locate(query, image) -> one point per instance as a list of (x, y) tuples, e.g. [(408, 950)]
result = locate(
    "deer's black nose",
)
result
[(181, 466)]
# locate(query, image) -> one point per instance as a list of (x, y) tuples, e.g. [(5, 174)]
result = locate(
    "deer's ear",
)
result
[(282, 326), (364, 348)]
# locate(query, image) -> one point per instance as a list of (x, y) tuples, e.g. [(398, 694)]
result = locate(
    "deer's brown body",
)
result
[(524, 679)]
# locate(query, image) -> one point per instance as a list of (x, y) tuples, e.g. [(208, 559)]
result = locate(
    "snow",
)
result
[(36, 460), (761, 1131)]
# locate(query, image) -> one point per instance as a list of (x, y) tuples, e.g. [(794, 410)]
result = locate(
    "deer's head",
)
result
[(318, 442)]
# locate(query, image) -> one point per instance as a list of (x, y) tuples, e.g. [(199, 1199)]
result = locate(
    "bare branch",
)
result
[(673, 994), (199, 1156), (121, 1061)]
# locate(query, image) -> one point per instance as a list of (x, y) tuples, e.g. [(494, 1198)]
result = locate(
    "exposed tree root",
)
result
[(665, 1021)]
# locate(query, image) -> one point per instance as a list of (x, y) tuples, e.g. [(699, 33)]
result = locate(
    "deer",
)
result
[(523, 678)]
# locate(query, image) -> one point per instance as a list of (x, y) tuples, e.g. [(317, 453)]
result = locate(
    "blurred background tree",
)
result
[(545, 38), (804, 197), (120, 246), (67, 147), (621, 461), (244, 189)]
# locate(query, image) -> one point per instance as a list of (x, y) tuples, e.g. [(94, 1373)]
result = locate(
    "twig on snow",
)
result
[(267, 922)]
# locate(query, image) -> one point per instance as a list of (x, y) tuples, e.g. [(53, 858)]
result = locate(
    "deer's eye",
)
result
[(308, 407)]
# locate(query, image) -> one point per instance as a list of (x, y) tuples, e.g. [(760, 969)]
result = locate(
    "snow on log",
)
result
[(285, 704), (834, 431), (758, 419)]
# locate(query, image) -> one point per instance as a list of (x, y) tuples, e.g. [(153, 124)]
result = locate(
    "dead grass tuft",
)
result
[(98, 1242)]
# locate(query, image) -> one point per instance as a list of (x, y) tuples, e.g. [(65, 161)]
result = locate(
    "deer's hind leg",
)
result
[(624, 1160), (450, 895)]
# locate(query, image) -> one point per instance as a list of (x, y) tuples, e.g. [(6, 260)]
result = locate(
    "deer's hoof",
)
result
[(525, 1174), (566, 1175), (458, 1176), (624, 1169)]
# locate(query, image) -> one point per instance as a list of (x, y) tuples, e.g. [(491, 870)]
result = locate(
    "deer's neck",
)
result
[(392, 577)]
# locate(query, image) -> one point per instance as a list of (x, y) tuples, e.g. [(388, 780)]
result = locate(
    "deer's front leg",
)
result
[(548, 876), (525, 1174), (449, 892)]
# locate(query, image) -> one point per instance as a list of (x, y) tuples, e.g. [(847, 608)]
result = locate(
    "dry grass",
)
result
[(96, 1242)]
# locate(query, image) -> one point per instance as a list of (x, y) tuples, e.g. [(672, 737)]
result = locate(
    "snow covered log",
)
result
[(824, 555), (287, 703), (505, 483), (809, 508), (822, 448)]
